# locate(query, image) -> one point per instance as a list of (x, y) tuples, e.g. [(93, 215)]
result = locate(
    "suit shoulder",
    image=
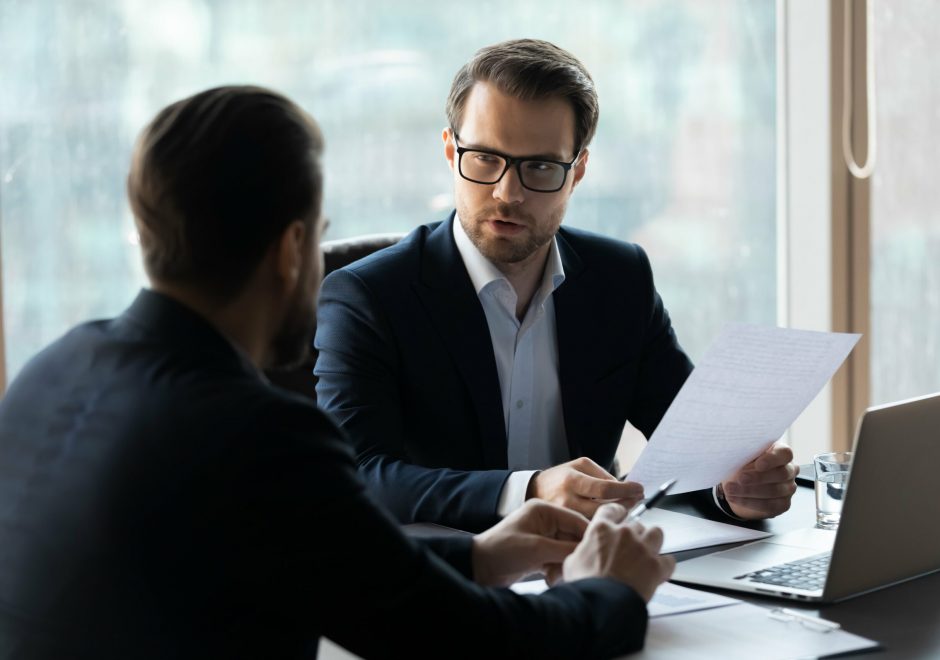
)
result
[(602, 251), (268, 410), (60, 354), (393, 261)]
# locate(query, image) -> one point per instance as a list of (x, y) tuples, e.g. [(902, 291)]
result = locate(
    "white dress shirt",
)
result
[(527, 365)]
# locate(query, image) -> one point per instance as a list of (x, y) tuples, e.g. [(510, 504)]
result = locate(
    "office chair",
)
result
[(336, 254)]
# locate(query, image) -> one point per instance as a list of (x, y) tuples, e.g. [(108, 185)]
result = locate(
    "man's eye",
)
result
[(486, 159), (538, 166)]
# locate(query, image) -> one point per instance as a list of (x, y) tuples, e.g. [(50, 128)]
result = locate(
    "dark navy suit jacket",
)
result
[(159, 500), (406, 367)]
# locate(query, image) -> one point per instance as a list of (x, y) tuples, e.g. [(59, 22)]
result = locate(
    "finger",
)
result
[(604, 489), (637, 490), (667, 564), (628, 503), (778, 454), (560, 522), (761, 491), (752, 464), (583, 505), (652, 537), (779, 474), (751, 507), (586, 466), (639, 486), (610, 512)]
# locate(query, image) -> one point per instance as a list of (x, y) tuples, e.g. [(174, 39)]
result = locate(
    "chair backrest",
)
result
[(336, 255)]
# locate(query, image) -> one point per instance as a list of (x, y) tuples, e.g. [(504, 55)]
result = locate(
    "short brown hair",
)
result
[(216, 178), (529, 69)]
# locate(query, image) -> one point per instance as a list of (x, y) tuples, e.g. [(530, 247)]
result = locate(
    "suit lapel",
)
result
[(451, 302), (574, 304)]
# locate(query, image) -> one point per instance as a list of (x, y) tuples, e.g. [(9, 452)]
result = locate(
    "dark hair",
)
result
[(216, 178), (529, 69)]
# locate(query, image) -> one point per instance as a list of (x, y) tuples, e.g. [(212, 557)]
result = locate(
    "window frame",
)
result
[(823, 213)]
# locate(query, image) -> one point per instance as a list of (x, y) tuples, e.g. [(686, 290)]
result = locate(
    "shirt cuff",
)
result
[(514, 490), (718, 495)]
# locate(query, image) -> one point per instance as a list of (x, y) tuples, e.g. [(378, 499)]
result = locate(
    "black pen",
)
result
[(650, 501)]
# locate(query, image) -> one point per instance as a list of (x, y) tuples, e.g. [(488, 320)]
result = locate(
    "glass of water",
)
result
[(832, 479)]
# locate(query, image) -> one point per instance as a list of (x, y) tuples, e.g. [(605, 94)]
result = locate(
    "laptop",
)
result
[(888, 532)]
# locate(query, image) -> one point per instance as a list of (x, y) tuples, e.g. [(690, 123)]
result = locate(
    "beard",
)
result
[(291, 345), (509, 249)]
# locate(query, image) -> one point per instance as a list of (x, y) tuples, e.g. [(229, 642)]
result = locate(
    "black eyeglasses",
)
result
[(488, 167)]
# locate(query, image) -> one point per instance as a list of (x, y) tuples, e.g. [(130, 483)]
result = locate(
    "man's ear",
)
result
[(580, 168), (290, 253), (450, 149)]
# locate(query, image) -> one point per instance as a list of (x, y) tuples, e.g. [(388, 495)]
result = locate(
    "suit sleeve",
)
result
[(455, 551), (358, 371), (343, 563)]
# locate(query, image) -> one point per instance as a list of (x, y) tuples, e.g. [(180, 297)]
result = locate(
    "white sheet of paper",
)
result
[(668, 599), (672, 599), (742, 632), (684, 532), (750, 386), (530, 587)]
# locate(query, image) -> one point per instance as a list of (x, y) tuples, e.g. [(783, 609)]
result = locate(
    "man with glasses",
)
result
[(496, 356)]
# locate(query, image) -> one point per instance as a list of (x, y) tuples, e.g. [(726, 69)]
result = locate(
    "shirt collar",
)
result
[(483, 272)]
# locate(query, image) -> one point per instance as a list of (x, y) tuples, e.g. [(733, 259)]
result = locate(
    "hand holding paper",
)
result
[(750, 386), (763, 487)]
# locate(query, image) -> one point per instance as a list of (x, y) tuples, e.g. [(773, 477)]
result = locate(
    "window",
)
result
[(683, 161), (905, 208)]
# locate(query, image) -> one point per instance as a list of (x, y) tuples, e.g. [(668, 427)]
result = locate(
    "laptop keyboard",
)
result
[(809, 573)]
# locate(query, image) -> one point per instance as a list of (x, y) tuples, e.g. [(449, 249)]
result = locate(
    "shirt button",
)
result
[(519, 403)]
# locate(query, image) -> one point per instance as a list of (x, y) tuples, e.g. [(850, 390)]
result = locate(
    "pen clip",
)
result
[(807, 621)]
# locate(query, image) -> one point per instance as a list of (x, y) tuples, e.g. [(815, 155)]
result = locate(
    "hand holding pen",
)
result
[(582, 485), (627, 553)]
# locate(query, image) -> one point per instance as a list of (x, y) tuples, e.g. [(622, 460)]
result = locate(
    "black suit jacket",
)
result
[(158, 499), (406, 367)]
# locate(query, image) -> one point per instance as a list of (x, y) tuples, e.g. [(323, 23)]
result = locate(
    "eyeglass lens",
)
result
[(487, 168)]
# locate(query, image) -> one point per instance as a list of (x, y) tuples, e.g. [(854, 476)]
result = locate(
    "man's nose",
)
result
[(509, 189)]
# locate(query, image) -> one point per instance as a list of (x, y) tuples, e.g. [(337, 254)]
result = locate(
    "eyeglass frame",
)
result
[(805, 620), (510, 161)]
